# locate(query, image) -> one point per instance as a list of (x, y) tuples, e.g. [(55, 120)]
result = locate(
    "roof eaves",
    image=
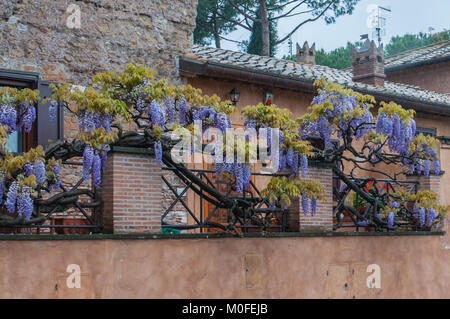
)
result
[(416, 64), (270, 79)]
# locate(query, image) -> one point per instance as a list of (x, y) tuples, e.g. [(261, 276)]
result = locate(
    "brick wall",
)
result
[(434, 77), (431, 182), (323, 219), (131, 193)]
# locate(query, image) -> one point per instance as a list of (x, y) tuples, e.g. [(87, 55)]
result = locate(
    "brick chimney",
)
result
[(368, 64), (306, 54)]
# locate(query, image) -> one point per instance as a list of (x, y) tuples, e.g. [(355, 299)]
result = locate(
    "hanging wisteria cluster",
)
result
[(16, 118), (155, 108)]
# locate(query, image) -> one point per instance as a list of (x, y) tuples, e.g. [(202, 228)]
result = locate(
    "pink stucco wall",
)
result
[(292, 267)]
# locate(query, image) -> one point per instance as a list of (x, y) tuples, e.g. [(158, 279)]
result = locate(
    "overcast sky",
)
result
[(407, 16)]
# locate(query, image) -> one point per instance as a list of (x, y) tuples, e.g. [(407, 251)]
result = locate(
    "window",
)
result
[(43, 130), (426, 131)]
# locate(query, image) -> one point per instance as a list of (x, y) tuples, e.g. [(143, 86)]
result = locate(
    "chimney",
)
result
[(368, 64), (306, 54)]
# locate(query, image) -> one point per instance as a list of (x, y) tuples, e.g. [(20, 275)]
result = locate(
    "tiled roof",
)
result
[(308, 72), (420, 55)]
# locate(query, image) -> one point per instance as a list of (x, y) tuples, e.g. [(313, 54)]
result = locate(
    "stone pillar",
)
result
[(131, 192), (323, 219)]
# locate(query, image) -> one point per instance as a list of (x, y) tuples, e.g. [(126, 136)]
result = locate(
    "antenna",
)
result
[(377, 21), (380, 28), (290, 47)]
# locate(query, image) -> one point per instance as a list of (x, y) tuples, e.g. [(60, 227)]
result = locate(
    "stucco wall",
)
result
[(435, 77), (297, 267), (296, 102)]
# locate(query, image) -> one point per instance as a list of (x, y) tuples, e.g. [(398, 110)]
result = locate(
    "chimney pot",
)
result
[(306, 54), (368, 64)]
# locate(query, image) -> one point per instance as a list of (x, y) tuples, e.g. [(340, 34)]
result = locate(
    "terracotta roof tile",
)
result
[(312, 72), (419, 55)]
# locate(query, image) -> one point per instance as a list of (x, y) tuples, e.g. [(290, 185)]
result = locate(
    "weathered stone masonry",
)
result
[(34, 36)]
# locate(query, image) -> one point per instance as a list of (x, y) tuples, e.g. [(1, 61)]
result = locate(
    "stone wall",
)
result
[(35, 36)]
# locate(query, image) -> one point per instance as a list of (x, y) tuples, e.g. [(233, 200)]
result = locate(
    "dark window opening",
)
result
[(426, 131), (43, 130)]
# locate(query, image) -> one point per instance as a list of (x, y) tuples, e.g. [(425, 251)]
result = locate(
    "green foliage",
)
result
[(341, 57), (365, 102), (216, 18), (255, 44), (213, 21), (399, 44), (282, 189)]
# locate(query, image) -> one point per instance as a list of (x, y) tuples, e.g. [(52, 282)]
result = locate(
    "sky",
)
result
[(406, 16)]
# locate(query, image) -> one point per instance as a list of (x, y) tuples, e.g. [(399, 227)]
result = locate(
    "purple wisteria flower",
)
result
[(419, 166), (313, 206), (363, 223), (97, 170), (29, 169), (28, 117), (221, 121), (239, 174), (156, 114), (2, 186), (390, 220), (56, 170), (437, 167), (431, 217), (305, 204), (39, 171), (170, 109), (88, 158), (303, 164), (11, 197), (182, 111), (8, 117), (53, 111), (290, 157), (426, 167), (413, 127), (25, 203), (422, 215), (158, 152), (295, 164), (140, 104)]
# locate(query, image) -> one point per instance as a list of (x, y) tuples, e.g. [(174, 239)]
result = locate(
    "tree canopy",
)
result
[(341, 57), (399, 44), (247, 13)]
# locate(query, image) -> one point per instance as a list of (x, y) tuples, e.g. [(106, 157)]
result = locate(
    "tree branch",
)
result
[(306, 21)]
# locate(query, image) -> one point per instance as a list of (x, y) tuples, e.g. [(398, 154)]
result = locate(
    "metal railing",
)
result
[(74, 214), (207, 217)]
